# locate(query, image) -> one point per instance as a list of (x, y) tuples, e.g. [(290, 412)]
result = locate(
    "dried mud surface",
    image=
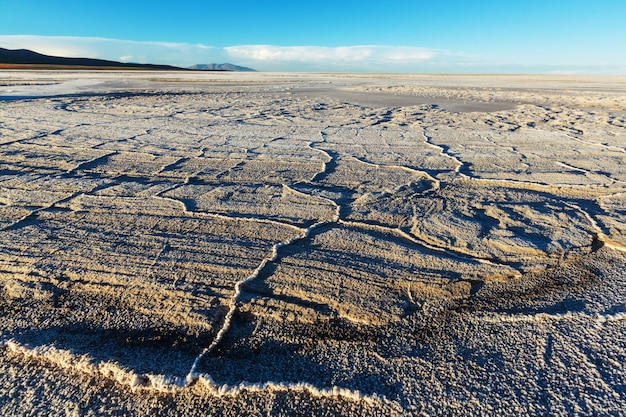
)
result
[(311, 244)]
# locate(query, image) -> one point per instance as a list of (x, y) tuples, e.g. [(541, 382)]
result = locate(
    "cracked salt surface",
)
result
[(238, 243)]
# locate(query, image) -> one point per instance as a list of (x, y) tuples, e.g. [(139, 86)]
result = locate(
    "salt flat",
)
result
[(321, 244)]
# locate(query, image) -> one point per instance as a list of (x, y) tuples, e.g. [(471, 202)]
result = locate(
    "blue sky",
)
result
[(520, 36)]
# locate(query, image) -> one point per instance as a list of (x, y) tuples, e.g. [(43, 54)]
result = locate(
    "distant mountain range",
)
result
[(26, 59), (220, 67)]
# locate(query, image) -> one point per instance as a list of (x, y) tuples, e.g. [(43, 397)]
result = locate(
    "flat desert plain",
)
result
[(311, 244)]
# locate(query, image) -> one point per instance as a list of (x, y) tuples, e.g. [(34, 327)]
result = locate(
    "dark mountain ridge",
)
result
[(18, 57)]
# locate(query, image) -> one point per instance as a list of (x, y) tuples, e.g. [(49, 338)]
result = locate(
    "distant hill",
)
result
[(24, 58), (220, 67)]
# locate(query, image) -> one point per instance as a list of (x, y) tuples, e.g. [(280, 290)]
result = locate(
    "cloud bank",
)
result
[(373, 54), (370, 58), (262, 57)]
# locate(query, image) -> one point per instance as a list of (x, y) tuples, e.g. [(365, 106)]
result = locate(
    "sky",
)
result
[(435, 36)]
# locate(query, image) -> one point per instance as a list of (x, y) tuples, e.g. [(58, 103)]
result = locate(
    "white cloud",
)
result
[(341, 54), (378, 58), (262, 57)]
